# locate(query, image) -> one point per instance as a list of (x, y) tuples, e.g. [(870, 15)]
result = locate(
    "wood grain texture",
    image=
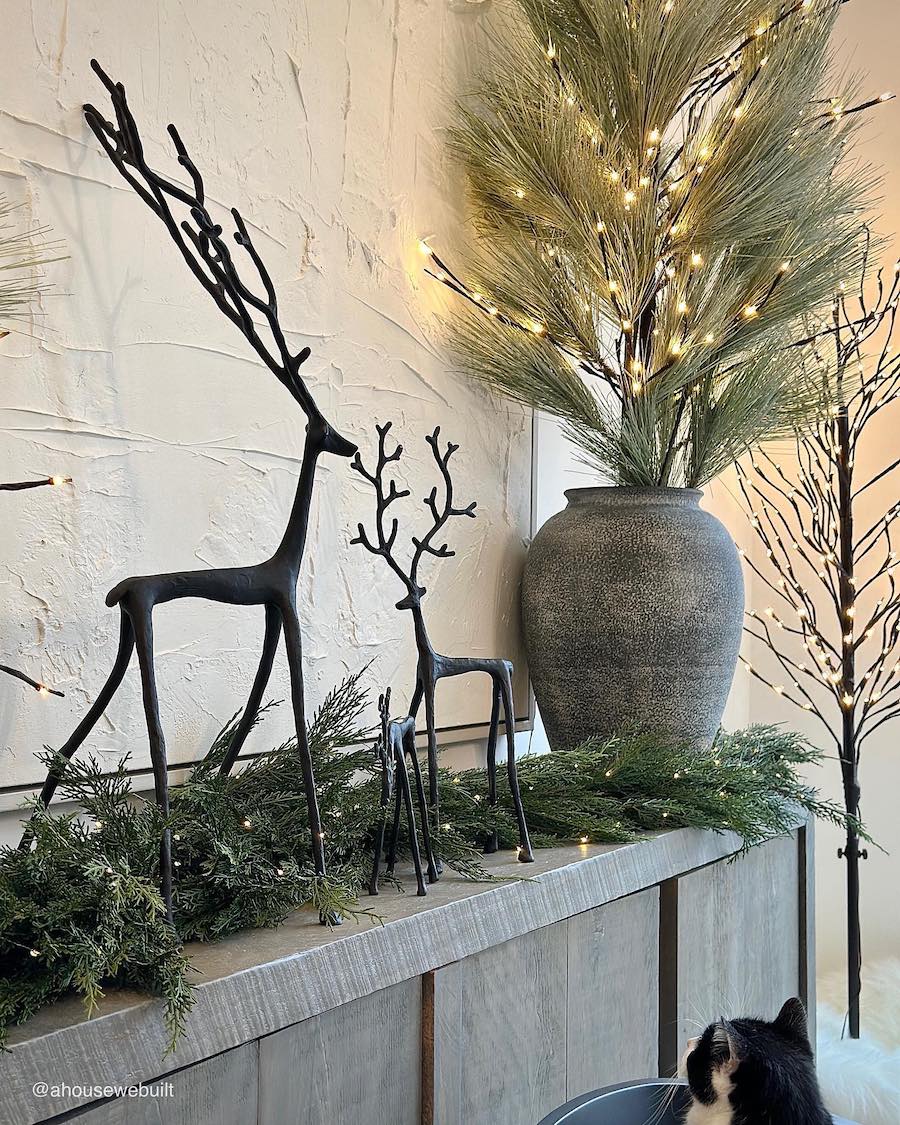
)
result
[(220, 1091), (258, 982), (355, 1065), (613, 993), (738, 929), (500, 1032)]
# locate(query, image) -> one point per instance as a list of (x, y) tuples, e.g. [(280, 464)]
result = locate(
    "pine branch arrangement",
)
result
[(82, 910), (660, 192), (833, 627)]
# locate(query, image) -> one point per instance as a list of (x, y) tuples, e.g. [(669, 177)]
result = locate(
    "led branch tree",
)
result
[(834, 623), (660, 193), (22, 253)]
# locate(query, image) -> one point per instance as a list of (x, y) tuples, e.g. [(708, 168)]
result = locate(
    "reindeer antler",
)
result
[(440, 516), (384, 714), (203, 246), (384, 540)]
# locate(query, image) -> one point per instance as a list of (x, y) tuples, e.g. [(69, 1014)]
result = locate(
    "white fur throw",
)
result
[(860, 1079)]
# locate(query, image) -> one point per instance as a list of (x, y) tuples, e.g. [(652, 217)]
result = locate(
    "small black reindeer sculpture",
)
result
[(397, 741), (432, 666)]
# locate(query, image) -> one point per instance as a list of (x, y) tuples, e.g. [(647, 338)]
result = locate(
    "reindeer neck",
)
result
[(291, 547), (423, 644)]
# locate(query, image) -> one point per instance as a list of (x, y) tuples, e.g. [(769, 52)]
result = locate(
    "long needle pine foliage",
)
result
[(660, 192)]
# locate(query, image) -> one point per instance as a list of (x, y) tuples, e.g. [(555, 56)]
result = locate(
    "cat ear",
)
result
[(725, 1042), (791, 1020)]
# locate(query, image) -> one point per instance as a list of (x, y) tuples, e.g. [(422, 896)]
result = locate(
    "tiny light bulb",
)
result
[(614, 175), (709, 338), (696, 259), (57, 481), (584, 839), (247, 823), (676, 348), (614, 287), (601, 226), (43, 691), (626, 325), (750, 311), (644, 181), (886, 96), (520, 194), (653, 136), (279, 871), (682, 307), (33, 953), (551, 50), (630, 197), (424, 248), (738, 112)]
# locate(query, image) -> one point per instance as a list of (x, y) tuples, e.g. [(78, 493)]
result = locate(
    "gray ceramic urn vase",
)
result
[(632, 603)]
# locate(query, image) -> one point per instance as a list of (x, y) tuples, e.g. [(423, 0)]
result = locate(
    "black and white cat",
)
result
[(750, 1072)]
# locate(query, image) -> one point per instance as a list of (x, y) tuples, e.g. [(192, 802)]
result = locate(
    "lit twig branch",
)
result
[(20, 486), (850, 610)]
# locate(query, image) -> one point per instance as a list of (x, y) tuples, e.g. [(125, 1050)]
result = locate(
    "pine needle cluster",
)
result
[(661, 191), (81, 911), (22, 253)]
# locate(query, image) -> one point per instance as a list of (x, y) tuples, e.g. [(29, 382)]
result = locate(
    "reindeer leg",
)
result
[(492, 843), (416, 701), (294, 646), (143, 632), (433, 795), (87, 724), (263, 672), (386, 788), (395, 833), (434, 868), (411, 821), (525, 853)]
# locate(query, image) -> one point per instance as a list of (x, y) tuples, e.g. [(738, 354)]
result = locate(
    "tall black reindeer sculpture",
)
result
[(273, 583), (397, 741), (432, 666)]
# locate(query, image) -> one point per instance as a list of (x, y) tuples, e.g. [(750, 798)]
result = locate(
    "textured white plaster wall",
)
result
[(321, 122)]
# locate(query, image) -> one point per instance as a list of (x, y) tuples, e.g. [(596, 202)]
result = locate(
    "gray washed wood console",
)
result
[(482, 1003)]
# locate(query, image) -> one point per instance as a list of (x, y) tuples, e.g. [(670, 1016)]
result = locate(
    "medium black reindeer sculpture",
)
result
[(273, 583), (397, 741), (432, 666)]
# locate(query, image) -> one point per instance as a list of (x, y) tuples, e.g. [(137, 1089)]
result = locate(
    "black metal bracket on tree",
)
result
[(433, 666), (271, 584)]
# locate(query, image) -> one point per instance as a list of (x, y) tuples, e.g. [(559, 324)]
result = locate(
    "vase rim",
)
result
[(644, 494)]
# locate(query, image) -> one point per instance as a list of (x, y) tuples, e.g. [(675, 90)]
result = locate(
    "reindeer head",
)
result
[(384, 541)]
